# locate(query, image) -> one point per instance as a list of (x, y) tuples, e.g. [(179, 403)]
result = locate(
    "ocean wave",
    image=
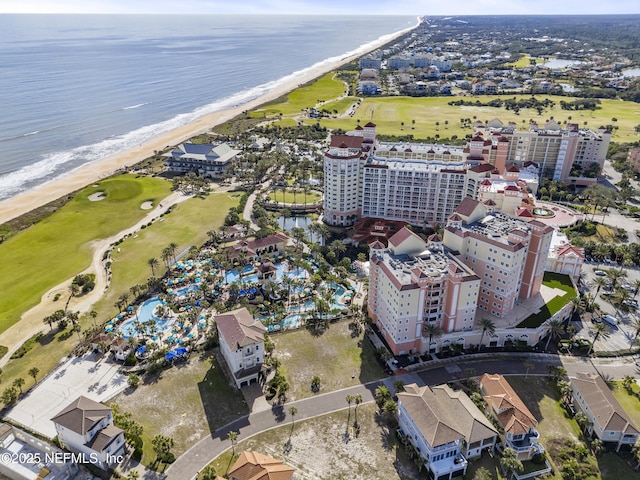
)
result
[(56, 164), (136, 106)]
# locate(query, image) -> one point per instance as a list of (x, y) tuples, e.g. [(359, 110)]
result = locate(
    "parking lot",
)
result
[(621, 336)]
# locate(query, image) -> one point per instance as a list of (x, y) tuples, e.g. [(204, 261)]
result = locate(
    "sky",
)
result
[(329, 7)]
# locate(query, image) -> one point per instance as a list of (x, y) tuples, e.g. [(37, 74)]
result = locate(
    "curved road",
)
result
[(197, 457)]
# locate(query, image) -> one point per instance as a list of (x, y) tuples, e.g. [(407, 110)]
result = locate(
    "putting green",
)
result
[(58, 247)]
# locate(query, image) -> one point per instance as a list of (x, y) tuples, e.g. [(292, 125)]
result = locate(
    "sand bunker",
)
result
[(96, 197), (146, 206)]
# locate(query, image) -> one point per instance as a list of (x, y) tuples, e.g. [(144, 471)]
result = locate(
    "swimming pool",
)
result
[(145, 313)]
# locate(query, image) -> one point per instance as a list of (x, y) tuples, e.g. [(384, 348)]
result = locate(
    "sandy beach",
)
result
[(92, 172)]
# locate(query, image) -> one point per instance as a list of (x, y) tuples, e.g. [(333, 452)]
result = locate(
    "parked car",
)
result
[(599, 273), (596, 320), (611, 320), (631, 303)]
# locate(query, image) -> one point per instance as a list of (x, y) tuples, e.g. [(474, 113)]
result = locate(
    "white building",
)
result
[(210, 161), (518, 422), (34, 458), (608, 421), (445, 427), (86, 427), (242, 344)]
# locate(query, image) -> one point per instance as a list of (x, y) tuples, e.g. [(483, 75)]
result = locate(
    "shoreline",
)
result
[(85, 175)]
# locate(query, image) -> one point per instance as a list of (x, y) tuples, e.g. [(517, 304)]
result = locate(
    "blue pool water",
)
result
[(145, 314)]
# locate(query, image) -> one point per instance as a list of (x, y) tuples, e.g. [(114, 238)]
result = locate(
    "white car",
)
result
[(611, 320), (599, 273)]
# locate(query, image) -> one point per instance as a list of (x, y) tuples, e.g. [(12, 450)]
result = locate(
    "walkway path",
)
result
[(197, 457), (31, 321)]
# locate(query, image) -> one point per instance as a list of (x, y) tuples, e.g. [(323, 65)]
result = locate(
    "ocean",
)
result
[(77, 88)]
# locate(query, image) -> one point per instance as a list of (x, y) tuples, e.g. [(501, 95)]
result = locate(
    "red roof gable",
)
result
[(400, 236), (351, 141)]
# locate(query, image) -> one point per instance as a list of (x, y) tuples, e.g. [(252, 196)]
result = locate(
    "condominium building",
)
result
[(422, 184), (412, 286), (485, 262), (508, 254), (557, 150)]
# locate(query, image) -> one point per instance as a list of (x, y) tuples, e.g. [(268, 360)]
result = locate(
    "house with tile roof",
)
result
[(241, 344), (445, 427), (607, 419), (518, 422), (256, 466), (86, 427)]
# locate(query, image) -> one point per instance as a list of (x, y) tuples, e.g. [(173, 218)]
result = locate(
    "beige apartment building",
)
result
[(423, 184), (486, 262)]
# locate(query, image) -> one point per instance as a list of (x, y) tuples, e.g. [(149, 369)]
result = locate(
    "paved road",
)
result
[(197, 457)]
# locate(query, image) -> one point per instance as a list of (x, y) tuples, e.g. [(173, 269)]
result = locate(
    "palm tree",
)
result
[(349, 399), (358, 399), (34, 373), (488, 326), (433, 331), (509, 461), (615, 274), (528, 365), (555, 327), (172, 248), (93, 314), (382, 394), (565, 391), (635, 324), (133, 475), (74, 289), (389, 409), (153, 263), (18, 383), (292, 411), (398, 385), (232, 436), (601, 331), (337, 247)]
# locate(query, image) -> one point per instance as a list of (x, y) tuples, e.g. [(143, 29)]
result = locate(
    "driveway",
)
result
[(90, 375)]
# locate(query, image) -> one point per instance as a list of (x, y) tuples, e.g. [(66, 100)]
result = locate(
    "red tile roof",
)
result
[(352, 141), (403, 234), (467, 206), (256, 466)]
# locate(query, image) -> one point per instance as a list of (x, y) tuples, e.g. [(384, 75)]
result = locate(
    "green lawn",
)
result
[(551, 280), (187, 225), (334, 355), (185, 402), (524, 61), (287, 196), (49, 349), (326, 88), (389, 112), (340, 105), (630, 403), (57, 248)]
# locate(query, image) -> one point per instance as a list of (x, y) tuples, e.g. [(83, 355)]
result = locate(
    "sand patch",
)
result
[(96, 197), (146, 205)]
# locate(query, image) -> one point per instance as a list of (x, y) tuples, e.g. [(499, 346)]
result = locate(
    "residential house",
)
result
[(607, 419), (518, 422), (241, 344), (31, 457), (435, 418), (256, 466), (432, 431), (210, 161), (86, 426)]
